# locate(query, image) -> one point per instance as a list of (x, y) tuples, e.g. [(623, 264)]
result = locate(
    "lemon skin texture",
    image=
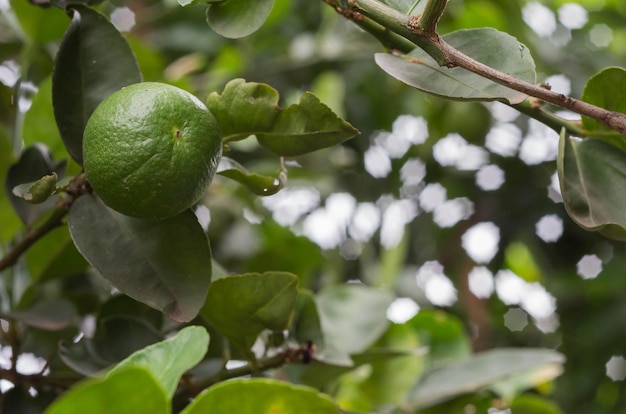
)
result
[(150, 150)]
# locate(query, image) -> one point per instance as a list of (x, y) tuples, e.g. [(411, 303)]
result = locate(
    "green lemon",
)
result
[(150, 150)]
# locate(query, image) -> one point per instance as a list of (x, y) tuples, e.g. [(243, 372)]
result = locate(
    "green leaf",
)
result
[(262, 185), (484, 369), (257, 396), (238, 18), (35, 162), (38, 191), (248, 108), (353, 316), (131, 391), (38, 24), (8, 217), (409, 7), (443, 334), (165, 264), (241, 306), (534, 404), (116, 338), (605, 89), (168, 360), (50, 315), (39, 123), (54, 256), (93, 61), (592, 174), (307, 325), (498, 50)]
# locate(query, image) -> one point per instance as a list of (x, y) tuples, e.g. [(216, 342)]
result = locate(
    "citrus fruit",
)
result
[(150, 150)]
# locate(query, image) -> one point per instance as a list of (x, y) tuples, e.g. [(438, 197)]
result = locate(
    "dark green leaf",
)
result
[(307, 325), (247, 108), (238, 18), (241, 306), (255, 396), (353, 316), (168, 360), (485, 369), (491, 47), (130, 391), (51, 315), (605, 89), (35, 162), (115, 339), (534, 404), (592, 174), (37, 192), (165, 264), (93, 61)]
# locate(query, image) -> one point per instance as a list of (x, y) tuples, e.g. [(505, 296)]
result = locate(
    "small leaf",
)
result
[(241, 306), (165, 264), (35, 162), (592, 174), (262, 185), (495, 49), (50, 315), (605, 89), (238, 18), (131, 391), (247, 108), (168, 360), (482, 370), (259, 395), (37, 192), (93, 61), (353, 317)]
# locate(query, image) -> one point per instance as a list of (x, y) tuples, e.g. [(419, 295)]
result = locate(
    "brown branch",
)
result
[(611, 119)]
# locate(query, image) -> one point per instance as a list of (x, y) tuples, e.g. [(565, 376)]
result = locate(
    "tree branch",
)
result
[(74, 190), (421, 32)]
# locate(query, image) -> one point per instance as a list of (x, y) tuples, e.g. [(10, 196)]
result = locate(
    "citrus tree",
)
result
[(261, 214)]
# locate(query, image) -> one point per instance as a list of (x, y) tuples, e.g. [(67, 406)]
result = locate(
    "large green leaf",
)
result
[(130, 391), (238, 18), (93, 61), (261, 396), (484, 369), (489, 46), (353, 316), (606, 90), (168, 360), (241, 306), (592, 174), (248, 108), (165, 264)]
